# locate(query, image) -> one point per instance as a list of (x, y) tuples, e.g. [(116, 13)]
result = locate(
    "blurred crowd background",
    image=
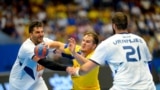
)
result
[(71, 18)]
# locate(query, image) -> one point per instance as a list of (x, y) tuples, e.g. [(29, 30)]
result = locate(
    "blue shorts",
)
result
[(156, 64)]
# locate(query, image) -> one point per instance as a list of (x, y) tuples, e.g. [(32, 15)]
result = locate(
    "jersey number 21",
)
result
[(132, 51)]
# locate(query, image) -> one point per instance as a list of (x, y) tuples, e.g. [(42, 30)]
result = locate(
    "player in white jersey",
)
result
[(126, 54), (26, 73)]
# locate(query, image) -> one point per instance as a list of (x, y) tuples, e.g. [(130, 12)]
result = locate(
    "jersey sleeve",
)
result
[(26, 51), (148, 56), (100, 54), (52, 65), (66, 53)]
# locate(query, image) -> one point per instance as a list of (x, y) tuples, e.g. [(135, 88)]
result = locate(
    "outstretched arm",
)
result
[(84, 69), (49, 64), (56, 44)]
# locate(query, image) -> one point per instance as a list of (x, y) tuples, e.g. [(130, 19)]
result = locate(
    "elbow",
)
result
[(83, 71)]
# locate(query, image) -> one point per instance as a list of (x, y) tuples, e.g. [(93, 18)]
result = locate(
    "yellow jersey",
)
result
[(88, 81)]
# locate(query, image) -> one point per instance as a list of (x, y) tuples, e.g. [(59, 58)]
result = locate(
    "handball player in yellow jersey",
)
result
[(88, 44)]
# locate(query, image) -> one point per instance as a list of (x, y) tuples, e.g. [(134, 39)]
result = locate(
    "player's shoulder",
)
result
[(27, 44), (121, 36), (111, 38), (66, 48), (134, 35), (137, 36)]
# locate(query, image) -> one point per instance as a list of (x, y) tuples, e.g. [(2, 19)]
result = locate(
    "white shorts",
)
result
[(39, 85)]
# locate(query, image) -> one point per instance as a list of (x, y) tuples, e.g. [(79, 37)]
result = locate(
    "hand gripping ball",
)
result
[(41, 51)]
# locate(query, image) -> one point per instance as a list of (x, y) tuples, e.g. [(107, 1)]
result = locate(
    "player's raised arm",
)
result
[(84, 69), (72, 47), (56, 44)]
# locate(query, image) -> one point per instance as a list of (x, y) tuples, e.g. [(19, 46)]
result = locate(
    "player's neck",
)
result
[(33, 41), (83, 54), (121, 31)]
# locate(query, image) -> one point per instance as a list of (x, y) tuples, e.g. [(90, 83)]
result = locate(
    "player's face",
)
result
[(87, 44), (37, 35)]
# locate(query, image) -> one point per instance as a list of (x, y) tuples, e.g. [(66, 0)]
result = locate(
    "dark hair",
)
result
[(94, 35), (34, 24), (120, 20)]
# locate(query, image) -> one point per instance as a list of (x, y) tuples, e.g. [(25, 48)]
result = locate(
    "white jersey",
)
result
[(24, 73), (128, 57)]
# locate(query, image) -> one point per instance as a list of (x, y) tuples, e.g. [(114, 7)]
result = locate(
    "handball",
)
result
[(41, 51)]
